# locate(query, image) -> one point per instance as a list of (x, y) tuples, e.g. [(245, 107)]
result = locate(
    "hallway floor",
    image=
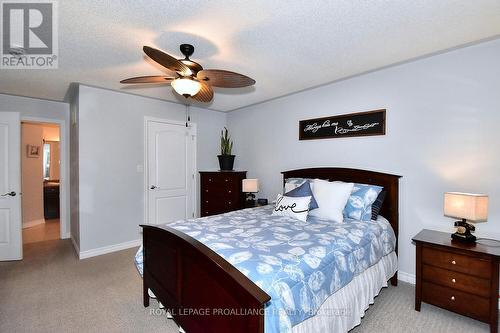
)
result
[(42, 232)]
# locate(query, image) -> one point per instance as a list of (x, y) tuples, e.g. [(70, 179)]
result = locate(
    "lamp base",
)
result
[(249, 203), (464, 238)]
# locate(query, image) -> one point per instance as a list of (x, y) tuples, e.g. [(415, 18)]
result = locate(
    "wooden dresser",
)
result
[(51, 200), (221, 191), (462, 278)]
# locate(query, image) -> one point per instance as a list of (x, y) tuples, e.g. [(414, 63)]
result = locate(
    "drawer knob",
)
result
[(229, 202), (453, 262), (229, 191), (226, 180), (452, 298), (206, 201), (453, 280), (209, 179), (206, 191)]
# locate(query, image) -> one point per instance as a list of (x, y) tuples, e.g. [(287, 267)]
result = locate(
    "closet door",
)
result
[(170, 174)]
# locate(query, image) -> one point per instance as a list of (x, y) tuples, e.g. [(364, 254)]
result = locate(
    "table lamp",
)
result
[(250, 186), (469, 208)]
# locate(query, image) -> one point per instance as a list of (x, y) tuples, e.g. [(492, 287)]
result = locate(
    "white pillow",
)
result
[(331, 198), (296, 207)]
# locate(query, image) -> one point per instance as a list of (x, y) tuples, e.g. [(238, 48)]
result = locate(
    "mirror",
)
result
[(51, 160)]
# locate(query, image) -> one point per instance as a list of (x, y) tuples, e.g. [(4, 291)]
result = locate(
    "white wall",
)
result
[(442, 135), (111, 146), (32, 108)]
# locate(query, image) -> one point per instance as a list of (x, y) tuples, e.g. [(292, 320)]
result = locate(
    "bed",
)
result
[(200, 271)]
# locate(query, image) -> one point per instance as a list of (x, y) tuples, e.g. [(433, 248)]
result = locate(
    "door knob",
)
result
[(12, 194), (153, 187)]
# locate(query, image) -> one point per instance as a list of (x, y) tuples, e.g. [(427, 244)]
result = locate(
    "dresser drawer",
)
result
[(457, 301), (229, 191), (219, 181), (208, 209), (467, 283), (457, 262), (227, 203)]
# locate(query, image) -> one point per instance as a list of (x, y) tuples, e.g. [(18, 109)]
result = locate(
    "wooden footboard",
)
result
[(203, 292)]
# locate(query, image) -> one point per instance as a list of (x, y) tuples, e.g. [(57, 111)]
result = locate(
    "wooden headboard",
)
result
[(390, 207)]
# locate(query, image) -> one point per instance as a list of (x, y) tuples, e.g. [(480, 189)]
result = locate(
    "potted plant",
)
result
[(226, 160)]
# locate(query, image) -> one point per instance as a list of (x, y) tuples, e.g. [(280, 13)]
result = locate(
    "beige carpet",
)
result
[(51, 291)]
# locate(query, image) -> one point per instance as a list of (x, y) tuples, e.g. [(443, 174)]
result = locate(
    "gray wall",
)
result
[(442, 135), (111, 146), (74, 171)]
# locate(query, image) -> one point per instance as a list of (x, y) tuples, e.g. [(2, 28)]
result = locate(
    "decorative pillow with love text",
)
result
[(296, 207)]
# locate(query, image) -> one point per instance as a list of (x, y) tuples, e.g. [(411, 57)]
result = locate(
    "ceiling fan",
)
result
[(190, 79)]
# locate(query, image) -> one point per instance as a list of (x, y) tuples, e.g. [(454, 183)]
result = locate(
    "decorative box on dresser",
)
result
[(459, 277), (221, 192)]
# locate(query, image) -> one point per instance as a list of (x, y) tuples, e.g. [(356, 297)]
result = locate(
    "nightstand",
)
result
[(459, 277)]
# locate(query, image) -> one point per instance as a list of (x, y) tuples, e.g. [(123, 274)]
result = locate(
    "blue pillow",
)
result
[(359, 204), (377, 205), (304, 190)]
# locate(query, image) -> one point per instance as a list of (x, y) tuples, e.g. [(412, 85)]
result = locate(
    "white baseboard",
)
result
[(410, 278), (406, 277), (66, 236), (33, 223), (111, 248)]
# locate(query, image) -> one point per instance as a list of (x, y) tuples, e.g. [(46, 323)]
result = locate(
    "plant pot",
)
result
[(226, 162)]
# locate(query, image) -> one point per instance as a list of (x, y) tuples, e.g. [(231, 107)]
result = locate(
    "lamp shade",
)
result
[(186, 86), (250, 185), (472, 207)]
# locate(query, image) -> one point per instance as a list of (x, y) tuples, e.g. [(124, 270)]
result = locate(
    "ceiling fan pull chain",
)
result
[(188, 117)]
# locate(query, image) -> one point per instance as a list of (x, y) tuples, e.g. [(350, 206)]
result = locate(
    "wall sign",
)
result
[(353, 124)]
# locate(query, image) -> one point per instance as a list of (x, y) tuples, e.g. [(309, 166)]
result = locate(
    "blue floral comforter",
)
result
[(299, 264)]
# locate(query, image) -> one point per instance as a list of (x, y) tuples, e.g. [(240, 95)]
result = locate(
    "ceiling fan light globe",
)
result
[(186, 86)]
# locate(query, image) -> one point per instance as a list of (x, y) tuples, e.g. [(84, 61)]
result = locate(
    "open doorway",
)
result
[(40, 177)]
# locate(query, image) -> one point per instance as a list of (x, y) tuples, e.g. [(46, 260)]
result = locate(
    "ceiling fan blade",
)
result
[(224, 79), (166, 60), (206, 94), (149, 79)]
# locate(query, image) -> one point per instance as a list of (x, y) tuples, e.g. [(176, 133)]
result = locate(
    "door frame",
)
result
[(194, 185), (64, 222)]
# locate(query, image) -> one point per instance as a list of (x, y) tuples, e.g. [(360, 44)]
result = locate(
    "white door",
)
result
[(10, 183), (170, 172)]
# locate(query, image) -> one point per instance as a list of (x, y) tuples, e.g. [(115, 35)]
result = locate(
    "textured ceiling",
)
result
[(286, 46)]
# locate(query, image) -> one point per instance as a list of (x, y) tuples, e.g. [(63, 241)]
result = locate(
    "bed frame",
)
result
[(205, 293)]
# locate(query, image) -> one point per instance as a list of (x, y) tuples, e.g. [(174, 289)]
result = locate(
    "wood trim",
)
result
[(418, 277), (493, 316), (186, 275)]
